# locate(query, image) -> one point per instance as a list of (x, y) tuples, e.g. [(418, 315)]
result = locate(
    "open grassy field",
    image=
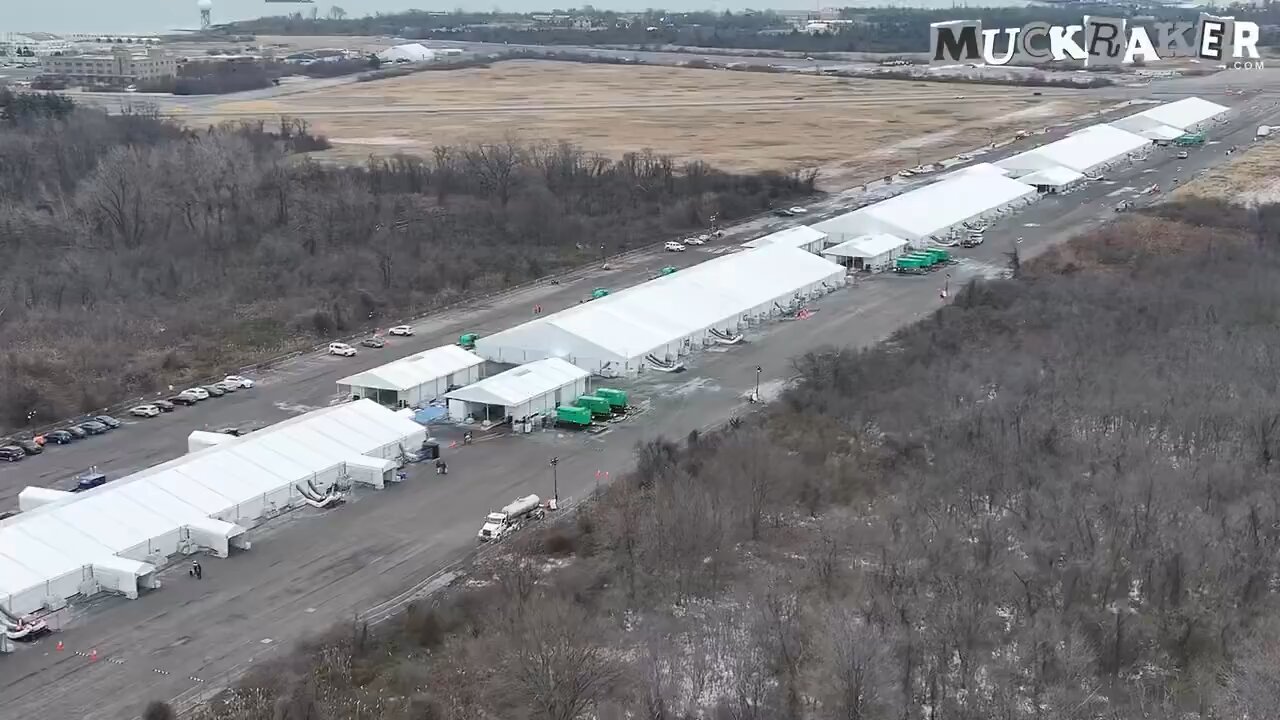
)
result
[(1251, 178), (853, 130)]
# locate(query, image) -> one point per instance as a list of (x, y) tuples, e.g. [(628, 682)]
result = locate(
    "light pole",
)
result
[(758, 371), (555, 481)]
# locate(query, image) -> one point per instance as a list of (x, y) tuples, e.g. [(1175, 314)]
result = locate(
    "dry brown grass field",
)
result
[(852, 129), (1248, 179)]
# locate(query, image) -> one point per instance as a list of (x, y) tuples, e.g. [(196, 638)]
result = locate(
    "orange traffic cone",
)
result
[(93, 655), (453, 444), (58, 647)]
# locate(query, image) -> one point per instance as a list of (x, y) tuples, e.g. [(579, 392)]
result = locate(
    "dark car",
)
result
[(214, 391), (93, 427), (164, 405), (107, 420), (233, 432), (373, 342), (59, 437), (11, 453), (181, 400), (783, 212), (30, 447), (78, 432)]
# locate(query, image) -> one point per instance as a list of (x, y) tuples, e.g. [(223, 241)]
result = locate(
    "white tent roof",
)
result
[(92, 527), (521, 384), (980, 168), (796, 237), (1089, 148), (1147, 127), (1054, 177), (932, 208), (1184, 113), (413, 52), (418, 369), (867, 246), (631, 323)]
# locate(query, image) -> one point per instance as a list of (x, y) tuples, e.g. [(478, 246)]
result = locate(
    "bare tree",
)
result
[(559, 660)]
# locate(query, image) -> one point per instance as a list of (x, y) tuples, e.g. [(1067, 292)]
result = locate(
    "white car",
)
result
[(148, 411), (238, 381), (704, 238), (198, 393), (695, 241), (342, 349), (400, 330), (799, 210), (673, 246)]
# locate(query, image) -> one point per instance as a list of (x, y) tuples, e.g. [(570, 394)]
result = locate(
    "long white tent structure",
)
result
[(1084, 151), (670, 316), (415, 380), (933, 210), (1186, 114), (114, 537), (521, 392), (802, 237)]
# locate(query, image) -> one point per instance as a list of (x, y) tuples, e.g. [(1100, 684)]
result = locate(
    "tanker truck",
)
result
[(500, 523)]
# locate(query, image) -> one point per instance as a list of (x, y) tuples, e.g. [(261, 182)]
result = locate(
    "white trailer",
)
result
[(501, 523), (1263, 131)]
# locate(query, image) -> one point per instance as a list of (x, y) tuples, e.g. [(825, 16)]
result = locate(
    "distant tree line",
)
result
[(1054, 499), (138, 253)]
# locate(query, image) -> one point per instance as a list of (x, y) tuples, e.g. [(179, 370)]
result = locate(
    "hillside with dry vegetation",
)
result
[(1055, 499)]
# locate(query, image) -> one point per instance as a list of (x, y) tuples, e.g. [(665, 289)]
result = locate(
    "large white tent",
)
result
[(1148, 128), (115, 536), (1084, 151), (521, 392), (933, 210), (869, 252), (669, 316), (1053, 180), (1187, 114), (802, 237), (415, 380), (410, 52)]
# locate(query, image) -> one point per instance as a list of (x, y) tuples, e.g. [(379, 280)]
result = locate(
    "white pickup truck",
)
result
[(501, 523)]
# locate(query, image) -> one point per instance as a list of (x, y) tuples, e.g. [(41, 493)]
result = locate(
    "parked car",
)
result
[(183, 398), (673, 246), (1182, 155), (77, 432), (400, 330), (58, 437), (226, 387), (797, 210), (164, 405), (694, 241), (214, 390), (783, 212), (198, 393), (107, 420), (93, 427), (239, 380), (147, 411), (30, 447), (373, 342), (11, 453), (341, 349)]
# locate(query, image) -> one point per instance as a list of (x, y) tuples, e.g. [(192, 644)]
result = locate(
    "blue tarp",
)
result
[(428, 415)]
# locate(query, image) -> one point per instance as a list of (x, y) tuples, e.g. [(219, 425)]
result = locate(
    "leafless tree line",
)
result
[(138, 253), (1054, 500)]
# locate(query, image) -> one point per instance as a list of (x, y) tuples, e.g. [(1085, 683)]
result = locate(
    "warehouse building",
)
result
[(802, 238), (520, 394), (933, 212), (653, 324), (416, 380), (873, 253), (114, 538)]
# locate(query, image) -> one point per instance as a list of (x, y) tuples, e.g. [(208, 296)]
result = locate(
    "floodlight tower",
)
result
[(206, 13)]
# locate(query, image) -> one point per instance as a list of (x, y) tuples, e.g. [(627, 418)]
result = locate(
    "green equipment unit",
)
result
[(467, 341), (939, 254), (925, 259), (573, 415), (598, 406), (1190, 139), (667, 270), (909, 265), (617, 398), (599, 293)]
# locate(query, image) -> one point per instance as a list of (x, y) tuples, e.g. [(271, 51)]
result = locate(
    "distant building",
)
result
[(33, 44), (411, 53), (120, 67)]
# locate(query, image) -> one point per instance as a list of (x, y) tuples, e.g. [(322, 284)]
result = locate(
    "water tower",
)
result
[(206, 13)]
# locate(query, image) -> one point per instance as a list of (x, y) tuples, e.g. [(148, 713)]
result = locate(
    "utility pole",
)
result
[(758, 371), (555, 481)]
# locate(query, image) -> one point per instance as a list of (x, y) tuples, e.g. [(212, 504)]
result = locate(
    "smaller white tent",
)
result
[(869, 252), (1187, 114), (1148, 128), (412, 52), (417, 379), (801, 238), (1052, 179), (520, 393)]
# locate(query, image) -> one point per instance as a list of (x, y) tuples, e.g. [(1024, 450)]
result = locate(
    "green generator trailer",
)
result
[(909, 265), (667, 270), (617, 398), (598, 406), (467, 341), (573, 415), (599, 293), (940, 255)]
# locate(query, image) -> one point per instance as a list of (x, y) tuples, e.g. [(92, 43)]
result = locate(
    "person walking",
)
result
[(197, 572)]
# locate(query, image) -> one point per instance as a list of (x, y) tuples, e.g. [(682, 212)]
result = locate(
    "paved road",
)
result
[(312, 568)]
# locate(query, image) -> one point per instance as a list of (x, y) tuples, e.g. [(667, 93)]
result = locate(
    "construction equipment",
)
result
[(467, 341), (501, 523), (573, 415)]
